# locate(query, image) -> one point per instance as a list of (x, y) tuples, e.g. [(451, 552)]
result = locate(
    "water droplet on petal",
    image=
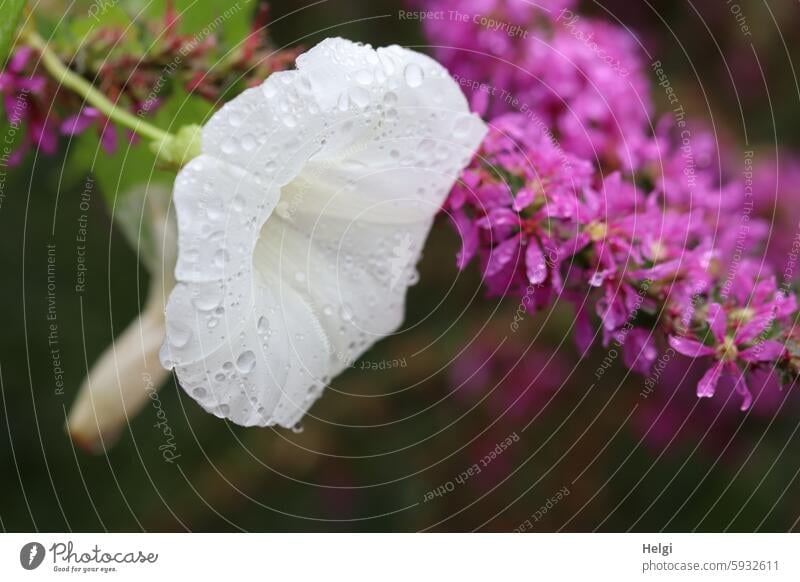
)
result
[(249, 142), (207, 300), (462, 126), (413, 75), (359, 96), (364, 77), (179, 334), (229, 146), (221, 257), (246, 362), (238, 203)]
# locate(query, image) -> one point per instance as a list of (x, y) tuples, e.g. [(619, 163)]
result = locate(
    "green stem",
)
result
[(63, 75)]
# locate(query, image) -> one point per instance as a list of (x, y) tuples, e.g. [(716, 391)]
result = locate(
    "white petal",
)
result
[(303, 220)]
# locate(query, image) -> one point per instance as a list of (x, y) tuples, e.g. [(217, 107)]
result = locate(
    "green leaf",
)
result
[(230, 21), (11, 11), (134, 165)]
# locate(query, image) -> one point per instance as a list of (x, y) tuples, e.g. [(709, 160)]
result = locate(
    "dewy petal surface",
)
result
[(301, 223)]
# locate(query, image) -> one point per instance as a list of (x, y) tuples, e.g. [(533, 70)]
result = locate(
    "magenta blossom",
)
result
[(737, 336), (88, 117), (21, 98)]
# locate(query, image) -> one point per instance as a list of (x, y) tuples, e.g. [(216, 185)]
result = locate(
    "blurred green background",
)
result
[(382, 439)]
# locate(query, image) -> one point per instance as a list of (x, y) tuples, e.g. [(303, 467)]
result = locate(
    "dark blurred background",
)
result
[(380, 440)]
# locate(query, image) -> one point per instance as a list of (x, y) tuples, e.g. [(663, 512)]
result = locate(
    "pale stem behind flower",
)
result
[(120, 382), (129, 372)]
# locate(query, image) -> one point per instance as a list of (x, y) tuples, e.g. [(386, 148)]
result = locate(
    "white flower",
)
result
[(290, 219)]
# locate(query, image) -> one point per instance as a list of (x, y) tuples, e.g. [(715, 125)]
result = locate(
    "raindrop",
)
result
[(462, 126), (229, 146), (414, 75), (364, 77), (343, 102), (346, 313), (207, 301), (246, 362), (221, 257), (360, 96), (179, 334), (249, 142)]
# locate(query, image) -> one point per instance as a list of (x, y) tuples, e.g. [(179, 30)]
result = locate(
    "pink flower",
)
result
[(735, 336), (88, 117), (21, 97)]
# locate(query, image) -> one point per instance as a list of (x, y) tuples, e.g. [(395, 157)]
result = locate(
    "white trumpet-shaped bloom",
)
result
[(301, 223)]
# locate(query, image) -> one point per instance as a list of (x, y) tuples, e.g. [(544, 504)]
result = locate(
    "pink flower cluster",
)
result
[(577, 195), (140, 84)]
